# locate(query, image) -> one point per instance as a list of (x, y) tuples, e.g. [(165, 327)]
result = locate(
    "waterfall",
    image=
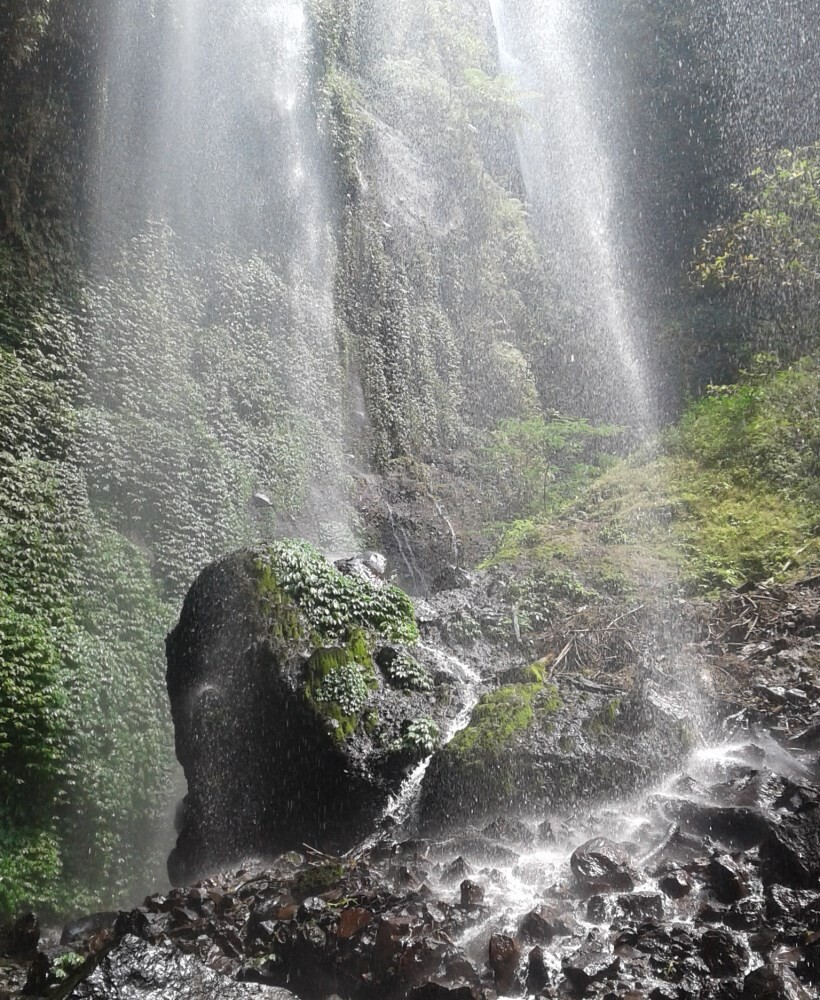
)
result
[(573, 184), (213, 216)]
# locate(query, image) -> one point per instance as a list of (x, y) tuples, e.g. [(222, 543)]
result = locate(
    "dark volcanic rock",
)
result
[(774, 982), (790, 854), (136, 970), (548, 921), (600, 865), (532, 745), (723, 953), (505, 957), (286, 729)]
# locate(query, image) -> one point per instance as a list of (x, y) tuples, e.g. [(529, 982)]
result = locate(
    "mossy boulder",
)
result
[(286, 727), (533, 746)]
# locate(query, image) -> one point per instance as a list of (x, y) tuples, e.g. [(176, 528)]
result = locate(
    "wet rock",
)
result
[(809, 966), (270, 705), (39, 977), (471, 894), (790, 854), (353, 920), (136, 970), (456, 871), (20, 940), (728, 879), (508, 829), (771, 982), (537, 971), (589, 965), (548, 921), (482, 849), (566, 742), (545, 833), (600, 865), (733, 827), (675, 885), (392, 933), (723, 954), (444, 991), (641, 907), (505, 957)]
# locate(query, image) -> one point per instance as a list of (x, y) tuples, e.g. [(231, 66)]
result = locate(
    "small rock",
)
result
[(723, 954), (504, 828), (537, 971), (790, 854), (642, 907), (23, 937), (472, 894), (352, 920), (773, 982), (546, 922), (675, 885), (456, 871), (600, 865), (505, 956), (727, 879)]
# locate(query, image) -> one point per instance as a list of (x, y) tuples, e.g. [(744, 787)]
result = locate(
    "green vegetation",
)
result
[(420, 736), (403, 671), (334, 604), (732, 495), (500, 714)]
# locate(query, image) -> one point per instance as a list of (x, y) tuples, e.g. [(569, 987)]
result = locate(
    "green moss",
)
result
[(500, 715), (318, 879), (296, 582), (729, 495), (605, 718)]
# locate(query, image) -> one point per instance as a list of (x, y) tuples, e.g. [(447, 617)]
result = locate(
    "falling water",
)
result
[(572, 184), (208, 130)]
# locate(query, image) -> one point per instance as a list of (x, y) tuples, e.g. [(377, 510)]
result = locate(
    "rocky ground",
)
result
[(705, 884)]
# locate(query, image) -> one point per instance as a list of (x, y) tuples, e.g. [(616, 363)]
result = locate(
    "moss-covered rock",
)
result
[(286, 729), (538, 746)]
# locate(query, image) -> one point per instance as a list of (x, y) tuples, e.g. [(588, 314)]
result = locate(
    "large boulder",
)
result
[(298, 704), (538, 746)]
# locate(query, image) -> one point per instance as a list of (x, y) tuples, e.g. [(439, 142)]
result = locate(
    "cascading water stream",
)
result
[(572, 181), (402, 806)]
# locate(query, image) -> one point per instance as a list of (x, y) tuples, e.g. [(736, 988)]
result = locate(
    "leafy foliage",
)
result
[(333, 603), (421, 736), (346, 686), (767, 258), (404, 671), (542, 465)]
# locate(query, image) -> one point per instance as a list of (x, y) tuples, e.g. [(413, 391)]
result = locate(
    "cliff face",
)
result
[(199, 348)]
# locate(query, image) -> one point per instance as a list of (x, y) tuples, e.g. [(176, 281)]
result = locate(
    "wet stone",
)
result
[(600, 865), (728, 879), (675, 885), (790, 854), (22, 938), (353, 920), (537, 971), (511, 830), (136, 969), (472, 894), (809, 966), (505, 956), (642, 907), (547, 921), (772, 982), (444, 991), (723, 954), (456, 871)]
